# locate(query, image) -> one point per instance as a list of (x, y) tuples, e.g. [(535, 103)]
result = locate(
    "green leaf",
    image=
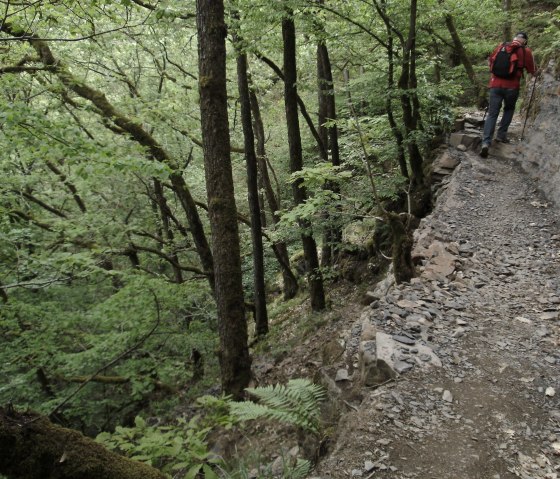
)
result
[(140, 422), (208, 472), (193, 471)]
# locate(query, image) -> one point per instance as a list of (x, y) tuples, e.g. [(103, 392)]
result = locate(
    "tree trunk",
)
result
[(235, 362), (197, 230), (34, 448), (508, 33), (333, 235), (163, 208), (465, 60), (409, 117), (322, 115), (290, 286), (261, 316), (3, 294), (302, 108), (403, 268), (401, 155), (322, 92), (315, 278)]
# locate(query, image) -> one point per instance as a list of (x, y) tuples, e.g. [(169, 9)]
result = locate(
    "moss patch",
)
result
[(31, 447)]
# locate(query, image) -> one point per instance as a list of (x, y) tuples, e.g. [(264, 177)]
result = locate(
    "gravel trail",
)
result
[(487, 303)]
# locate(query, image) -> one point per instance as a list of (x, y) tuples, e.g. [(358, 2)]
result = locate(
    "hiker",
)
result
[(507, 62)]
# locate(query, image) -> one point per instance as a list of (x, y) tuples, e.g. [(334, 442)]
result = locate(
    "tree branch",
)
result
[(187, 16), (41, 203)]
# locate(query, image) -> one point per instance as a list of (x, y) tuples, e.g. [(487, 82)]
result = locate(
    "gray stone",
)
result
[(403, 339), (402, 367), (549, 315), (447, 396), (341, 375)]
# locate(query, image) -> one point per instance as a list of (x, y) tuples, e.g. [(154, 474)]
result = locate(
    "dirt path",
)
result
[(487, 304)]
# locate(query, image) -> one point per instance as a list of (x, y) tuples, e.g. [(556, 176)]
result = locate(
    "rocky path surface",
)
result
[(475, 339)]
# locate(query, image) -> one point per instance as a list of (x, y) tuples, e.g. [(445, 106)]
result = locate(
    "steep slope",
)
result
[(475, 337)]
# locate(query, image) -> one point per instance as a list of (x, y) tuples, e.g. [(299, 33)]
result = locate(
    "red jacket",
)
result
[(525, 61)]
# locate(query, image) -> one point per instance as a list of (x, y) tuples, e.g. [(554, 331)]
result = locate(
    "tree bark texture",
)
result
[(316, 290), (290, 286), (401, 249), (235, 362), (508, 33), (261, 315), (409, 118), (31, 447), (333, 235)]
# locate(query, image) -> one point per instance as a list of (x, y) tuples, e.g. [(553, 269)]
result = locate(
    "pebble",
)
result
[(403, 339)]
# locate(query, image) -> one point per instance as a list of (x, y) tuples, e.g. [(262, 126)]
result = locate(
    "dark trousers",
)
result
[(507, 96)]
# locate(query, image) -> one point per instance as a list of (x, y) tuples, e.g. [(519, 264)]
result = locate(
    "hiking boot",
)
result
[(503, 140), (484, 151)]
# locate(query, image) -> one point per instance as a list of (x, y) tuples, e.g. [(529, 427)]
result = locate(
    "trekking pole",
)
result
[(529, 107)]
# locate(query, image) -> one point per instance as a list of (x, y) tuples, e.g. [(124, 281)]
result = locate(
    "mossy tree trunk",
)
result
[(31, 447), (235, 362)]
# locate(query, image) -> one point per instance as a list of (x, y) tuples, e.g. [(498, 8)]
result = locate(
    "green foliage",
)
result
[(181, 450), (296, 403), (550, 38), (217, 411), (73, 332), (76, 193)]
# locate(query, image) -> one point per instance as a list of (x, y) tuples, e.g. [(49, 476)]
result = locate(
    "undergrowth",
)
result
[(182, 449)]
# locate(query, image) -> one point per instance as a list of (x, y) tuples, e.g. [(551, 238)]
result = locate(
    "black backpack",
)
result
[(503, 65)]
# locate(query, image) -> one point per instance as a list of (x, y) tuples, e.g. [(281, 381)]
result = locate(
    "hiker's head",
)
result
[(521, 37)]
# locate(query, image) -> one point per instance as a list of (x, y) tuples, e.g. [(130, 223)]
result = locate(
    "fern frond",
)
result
[(295, 403), (301, 469)]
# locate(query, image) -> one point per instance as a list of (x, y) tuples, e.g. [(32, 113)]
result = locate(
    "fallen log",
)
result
[(31, 447)]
